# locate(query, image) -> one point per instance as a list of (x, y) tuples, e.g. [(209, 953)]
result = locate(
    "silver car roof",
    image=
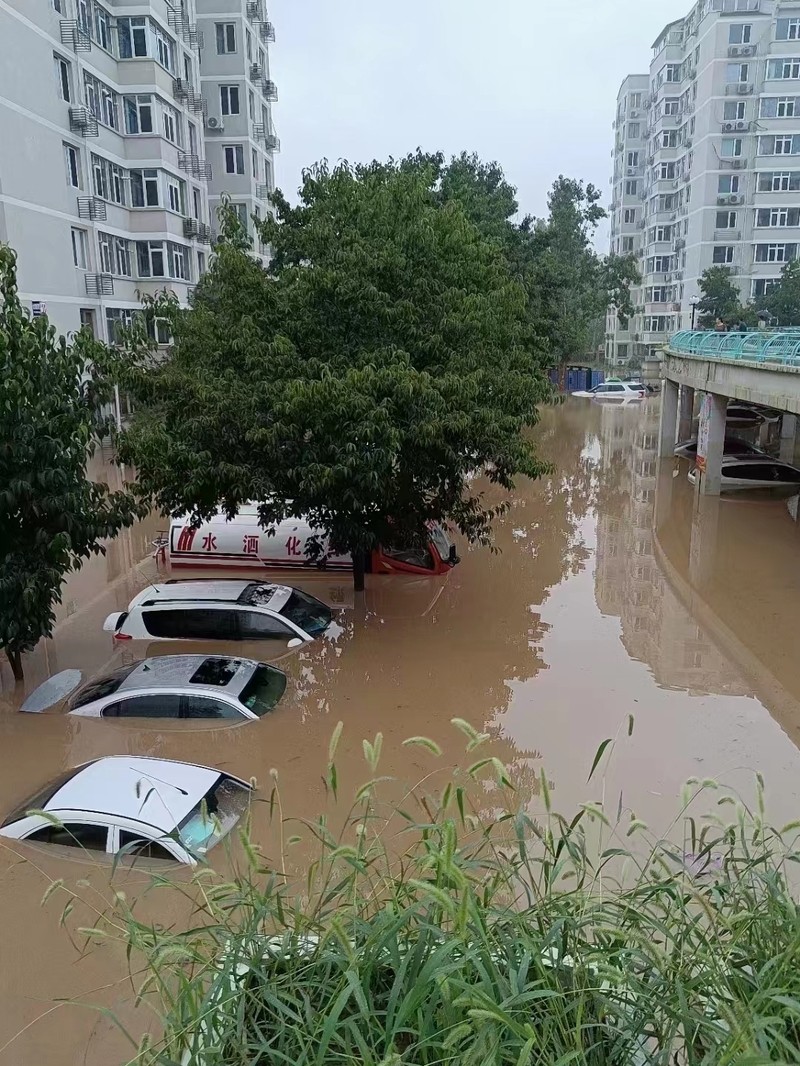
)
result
[(176, 671)]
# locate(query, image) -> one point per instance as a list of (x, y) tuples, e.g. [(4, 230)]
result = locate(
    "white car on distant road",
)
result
[(615, 390), (223, 611), (153, 808), (187, 687)]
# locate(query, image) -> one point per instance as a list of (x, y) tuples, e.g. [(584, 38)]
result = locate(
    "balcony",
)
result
[(82, 121), (204, 233), (99, 285), (255, 10), (191, 227), (74, 36), (182, 90), (256, 72), (179, 21), (92, 207), (194, 165), (269, 89), (267, 32), (739, 88), (272, 143), (262, 191)]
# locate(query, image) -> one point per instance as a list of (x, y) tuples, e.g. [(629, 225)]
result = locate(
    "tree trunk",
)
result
[(358, 571), (15, 659)]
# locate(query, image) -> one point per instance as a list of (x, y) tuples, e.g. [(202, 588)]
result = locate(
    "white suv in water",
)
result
[(615, 390), (221, 611)]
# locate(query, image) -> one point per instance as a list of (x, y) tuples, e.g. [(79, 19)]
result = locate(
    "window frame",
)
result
[(226, 99), (233, 153), (79, 248), (72, 156), (63, 71), (224, 34)]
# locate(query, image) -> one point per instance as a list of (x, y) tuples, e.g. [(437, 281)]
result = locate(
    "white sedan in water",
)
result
[(153, 808), (615, 390), (752, 472)]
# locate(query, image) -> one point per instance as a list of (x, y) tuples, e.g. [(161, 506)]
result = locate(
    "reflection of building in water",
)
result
[(656, 627)]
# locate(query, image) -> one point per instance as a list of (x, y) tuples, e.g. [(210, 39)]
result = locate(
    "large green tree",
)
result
[(720, 298), (51, 516), (783, 300), (385, 357)]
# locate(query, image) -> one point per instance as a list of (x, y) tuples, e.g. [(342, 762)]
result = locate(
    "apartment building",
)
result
[(106, 189), (721, 185)]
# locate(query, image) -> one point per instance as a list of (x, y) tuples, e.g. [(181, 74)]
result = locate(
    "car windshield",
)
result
[(39, 800), (214, 817), (98, 687), (309, 614), (441, 541), (264, 689)]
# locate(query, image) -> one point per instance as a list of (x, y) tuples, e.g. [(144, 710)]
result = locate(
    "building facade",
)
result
[(108, 192), (721, 185)]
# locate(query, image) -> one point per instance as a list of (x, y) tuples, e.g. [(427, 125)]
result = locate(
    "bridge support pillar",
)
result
[(788, 437), (711, 477), (669, 418), (685, 412)]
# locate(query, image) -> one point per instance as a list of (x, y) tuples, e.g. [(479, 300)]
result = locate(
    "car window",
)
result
[(143, 848), (263, 690), (599, 388), (196, 706), (616, 388), (99, 687), (199, 623), (152, 706), (419, 556), (215, 670), (74, 835), (254, 624), (310, 614)]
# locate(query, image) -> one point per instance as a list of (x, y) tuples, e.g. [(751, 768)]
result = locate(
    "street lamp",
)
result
[(694, 301)]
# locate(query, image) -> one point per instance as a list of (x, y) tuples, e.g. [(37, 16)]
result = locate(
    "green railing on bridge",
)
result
[(760, 346)]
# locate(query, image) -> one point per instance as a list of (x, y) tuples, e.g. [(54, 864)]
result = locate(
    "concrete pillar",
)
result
[(763, 435), (703, 544), (685, 412), (669, 418), (788, 437), (711, 477)]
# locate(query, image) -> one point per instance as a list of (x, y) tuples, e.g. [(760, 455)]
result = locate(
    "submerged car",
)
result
[(615, 390), (155, 808), (733, 446), (171, 686), (221, 610), (753, 472)]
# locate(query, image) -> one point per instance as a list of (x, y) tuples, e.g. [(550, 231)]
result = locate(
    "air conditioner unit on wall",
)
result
[(214, 123), (728, 127)]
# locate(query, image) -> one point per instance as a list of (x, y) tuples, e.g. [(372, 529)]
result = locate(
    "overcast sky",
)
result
[(530, 83)]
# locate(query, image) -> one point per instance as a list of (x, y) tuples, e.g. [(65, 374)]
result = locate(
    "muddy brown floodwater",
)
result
[(614, 592)]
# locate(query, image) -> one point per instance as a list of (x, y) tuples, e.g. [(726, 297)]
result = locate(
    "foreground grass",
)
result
[(427, 935)]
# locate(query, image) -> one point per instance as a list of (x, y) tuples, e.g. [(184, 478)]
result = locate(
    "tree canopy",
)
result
[(385, 356), (51, 517), (720, 298), (782, 301)]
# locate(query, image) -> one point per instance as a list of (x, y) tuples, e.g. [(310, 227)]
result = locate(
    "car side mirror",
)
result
[(295, 642)]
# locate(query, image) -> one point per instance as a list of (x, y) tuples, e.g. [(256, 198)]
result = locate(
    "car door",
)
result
[(198, 705), (191, 623), (150, 705), (138, 846), (259, 625), (80, 835)]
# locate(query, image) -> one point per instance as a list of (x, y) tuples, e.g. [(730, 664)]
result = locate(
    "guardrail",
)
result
[(760, 346)]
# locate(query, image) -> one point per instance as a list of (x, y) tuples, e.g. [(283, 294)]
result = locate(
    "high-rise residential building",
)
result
[(722, 163), (111, 163), (627, 210)]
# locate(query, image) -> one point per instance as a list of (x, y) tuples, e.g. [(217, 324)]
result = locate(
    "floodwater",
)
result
[(614, 592)]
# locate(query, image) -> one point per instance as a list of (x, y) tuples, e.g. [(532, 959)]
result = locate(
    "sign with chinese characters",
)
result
[(38, 308), (703, 429)]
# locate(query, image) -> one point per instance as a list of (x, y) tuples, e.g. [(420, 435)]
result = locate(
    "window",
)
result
[(132, 37), (253, 625), (226, 37), (102, 27), (633, 159), (138, 114), (631, 188), (255, 164), (635, 100), (87, 319), (731, 147), (669, 139), (726, 220), (84, 18), (251, 102), (778, 216), (666, 171), (659, 294), (204, 623), (73, 835), (79, 247), (761, 286), (734, 110), (723, 254), (101, 100), (150, 263), (172, 125), (162, 705), (63, 78), (115, 255), (192, 138), (178, 261), (142, 848), (784, 69), (249, 42), (201, 263), (165, 47), (196, 202), (728, 183), (663, 233), (72, 163), (108, 180), (788, 29), (672, 106), (241, 211), (775, 253), (634, 130), (157, 329), (629, 215), (58, 5), (778, 107), (782, 181), (234, 159), (105, 260), (117, 320), (187, 70), (144, 188), (229, 99), (737, 73), (740, 33), (627, 245), (672, 72), (193, 706), (175, 195)]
